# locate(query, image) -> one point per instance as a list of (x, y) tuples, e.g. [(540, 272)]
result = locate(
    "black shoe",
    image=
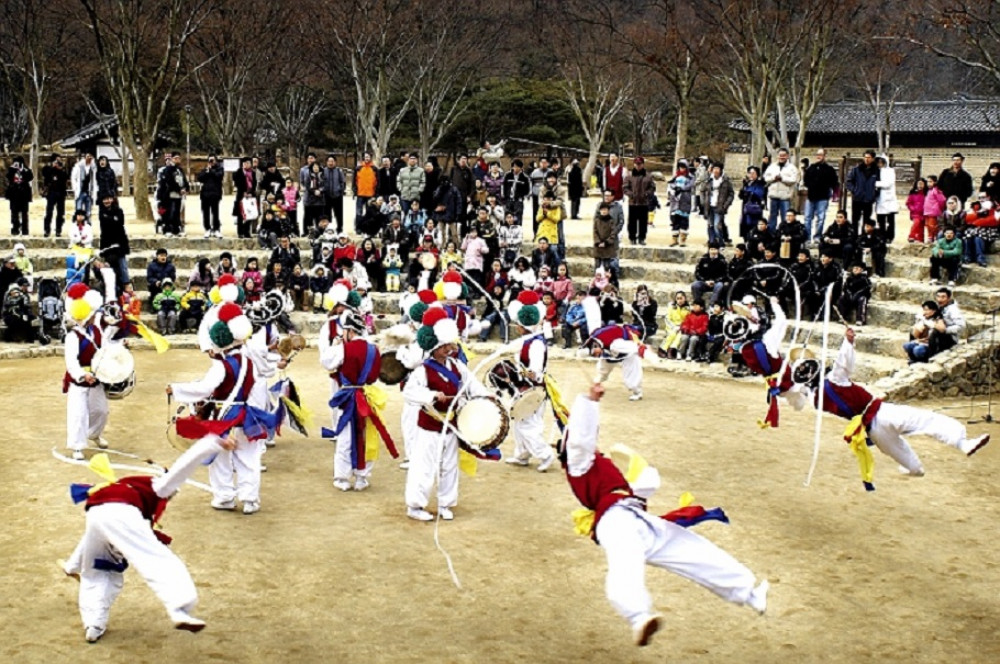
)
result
[(642, 242)]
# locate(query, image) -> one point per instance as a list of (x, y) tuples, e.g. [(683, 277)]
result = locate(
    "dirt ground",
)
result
[(907, 573)]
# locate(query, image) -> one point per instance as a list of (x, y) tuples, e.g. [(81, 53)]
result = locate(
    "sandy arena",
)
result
[(908, 573)]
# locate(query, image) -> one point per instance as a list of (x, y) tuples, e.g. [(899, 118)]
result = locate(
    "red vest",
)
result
[(600, 487), (612, 333), (135, 490), (228, 384), (437, 383), (854, 397), (331, 330), (456, 312), (85, 354), (750, 355), (355, 352), (525, 353)]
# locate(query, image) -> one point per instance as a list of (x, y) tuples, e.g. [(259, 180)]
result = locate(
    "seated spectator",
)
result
[(415, 218), (953, 216), (946, 253), (710, 274), (918, 347), (838, 239), (562, 288), (738, 264), (275, 275), (948, 331), (694, 330), (612, 307), (270, 231), (450, 255), (203, 275), (344, 249), (982, 228), (550, 320), (497, 276), (758, 239), (791, 233), (521, 277), (319, 284), (194, 303), (393, 266), (676, 313), (370, 258), (225, 265), (545, 254), (285, 253), (129, 300), (856, 293), (494, 313), (827, 272), (23, 263), (872, 243), (575, 322), (474, 250), (17, 316), (166, 305), (644, 312), (396, 234), (298, 289), (804, 271), (715, 340), (544, 282), (159, 269)]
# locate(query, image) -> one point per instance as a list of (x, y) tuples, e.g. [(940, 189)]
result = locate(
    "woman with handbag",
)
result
[(753, 194)]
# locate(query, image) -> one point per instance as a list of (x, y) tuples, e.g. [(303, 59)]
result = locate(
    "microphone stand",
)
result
[(988, 417)]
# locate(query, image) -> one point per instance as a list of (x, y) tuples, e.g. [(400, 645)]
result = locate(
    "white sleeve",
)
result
[(416, 391), (200, 390), (581, 441), (72, 351), (843, 367), (410, 355), (776, 333), (623, 347), (332, 356), (265, 363), (185, 465), (536, 358)]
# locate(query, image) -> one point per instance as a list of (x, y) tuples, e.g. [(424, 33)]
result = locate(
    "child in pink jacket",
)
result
[(933, 208), (915, 204)]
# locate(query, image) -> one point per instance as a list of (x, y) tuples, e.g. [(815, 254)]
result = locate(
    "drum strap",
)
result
[(761, 352), (445, 372), (241, 374)]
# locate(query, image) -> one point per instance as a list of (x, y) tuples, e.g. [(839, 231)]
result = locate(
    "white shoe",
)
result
[(78, 455), (758, 597), (168, 235), (251, 506), (919, 472), (186, 622), (263, 468), (360, 484), (972, 445), (951, 283), (269, 442), (516, 461), (208, 234), (934, 282), (343, 485), (547, 463), (229, 505), (635, 396), (646, 629), (446, 514), (419, 514), (405, 464), (99, 442), (93, 634)]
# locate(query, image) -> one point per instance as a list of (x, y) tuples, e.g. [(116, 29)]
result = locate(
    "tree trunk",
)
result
[(588, 170), (683, 124), (126, 169), (143, 210), (33, 153)]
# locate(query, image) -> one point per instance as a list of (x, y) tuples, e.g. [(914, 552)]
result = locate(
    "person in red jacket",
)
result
[(121, 517), (694, 328), (632, 538)]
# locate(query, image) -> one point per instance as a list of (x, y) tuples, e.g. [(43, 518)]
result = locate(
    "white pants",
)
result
[(632, 539), (342, 469), (86, 415), (631, 371), (244, 463), (408, 421), (893, 421), (529, 436), (116, 531), (427, 459)]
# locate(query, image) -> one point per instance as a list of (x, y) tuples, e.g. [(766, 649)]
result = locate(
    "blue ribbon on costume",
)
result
[(346, 399), (106, 565), (695, 514), (79, 492), (445, 372), (760, 350), (259, 423)]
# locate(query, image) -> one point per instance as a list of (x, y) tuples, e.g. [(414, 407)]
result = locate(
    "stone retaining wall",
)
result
[(961, 371)]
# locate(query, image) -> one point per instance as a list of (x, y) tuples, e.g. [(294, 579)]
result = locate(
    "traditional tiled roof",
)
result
[(88, 132), (951, 116)]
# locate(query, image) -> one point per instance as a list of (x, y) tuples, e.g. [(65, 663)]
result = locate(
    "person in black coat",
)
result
[(210, 195), (827, 272), (386, 185), (244, 180), (432, 176), (793, 232), (804, 271), (857, 292), (107, 181), (711, 273), (838, 238), (54, 184), (114, 240), (758, 239), (272, 182), (872, 241), (574, 185), (19, 179)]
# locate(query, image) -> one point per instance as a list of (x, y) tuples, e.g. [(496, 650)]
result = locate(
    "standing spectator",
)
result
[(555, 194), (710, 274), (365, 184), (886, 206), (411, 180), (432, 177), (211, 195), (861, 183), (315, 197), (720, 197), (701, 175), (54, 182), (617, 213), (305, 170), (753, 195), (114, 239), (644, 312), (915, 204), (448, 209), (575, 187), (271, 182), (335, 184), (84, 183), (244, 181), (947, 331), (177, 190), (462, 179), (107, 181), (606, 240), (538, 175), (493, 181), (510, 237), (820, 180), (781, 179), (946, 253), (19, 179), (159, 270), (956, 181), (680, 187), (614, 177), (934, 205), (386, 186), (638, 187), (475, 250), (516, 187)]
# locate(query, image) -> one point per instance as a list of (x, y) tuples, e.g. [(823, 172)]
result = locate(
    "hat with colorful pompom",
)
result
[(526, 310), (233, 326), (82, 302), (436, 329)]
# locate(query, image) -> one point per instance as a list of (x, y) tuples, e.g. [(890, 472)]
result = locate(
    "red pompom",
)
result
[(346, 283), (427, 296), (528, 298), (229, 311), (433, 315), (452, 277), (77, 290), (226, 279)]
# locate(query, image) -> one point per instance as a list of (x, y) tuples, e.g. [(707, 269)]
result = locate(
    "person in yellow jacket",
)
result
[(676, 313), (550, 216), (194, 303)]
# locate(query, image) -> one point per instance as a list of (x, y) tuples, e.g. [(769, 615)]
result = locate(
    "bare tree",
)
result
[(963, 31), (13, 118), (141, 46), (291, 111), (33, 35), (885, 75)]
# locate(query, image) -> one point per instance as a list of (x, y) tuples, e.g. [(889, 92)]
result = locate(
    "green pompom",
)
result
[(426, 338), (220, 334), (529, 316), (465, 291), (241, 295), (417, 312), (354, 299)]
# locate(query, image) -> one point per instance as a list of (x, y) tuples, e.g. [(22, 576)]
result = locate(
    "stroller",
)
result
[(51, 309)]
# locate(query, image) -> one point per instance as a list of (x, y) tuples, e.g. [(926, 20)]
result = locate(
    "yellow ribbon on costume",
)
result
[(377, 399), (857, 437), (583, 521), (101, 464), (159, 342), (686, 499), (468, 463), (634, 463), (559, 407), (469, 355), (298, 412)]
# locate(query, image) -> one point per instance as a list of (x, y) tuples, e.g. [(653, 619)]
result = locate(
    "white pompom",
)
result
[(513, 308), (241, 328), (94, 299), (229, 292), (452, 291), (338, 294), (446, 331)]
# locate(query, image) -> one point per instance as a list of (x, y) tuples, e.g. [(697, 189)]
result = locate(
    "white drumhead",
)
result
[(113, 363), (479, 420), (526, 403)]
